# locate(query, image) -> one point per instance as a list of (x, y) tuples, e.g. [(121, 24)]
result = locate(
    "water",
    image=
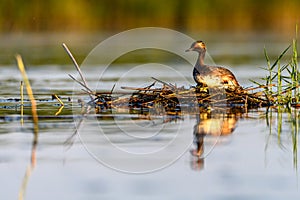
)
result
[(249, 160)]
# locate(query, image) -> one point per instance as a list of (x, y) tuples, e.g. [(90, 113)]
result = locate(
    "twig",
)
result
[(112, 89), (62, 105), (58, 99), (77, 68), (82, 84), (87, 92), (261, 86), (167, 84), (141, 89), (59, 110)]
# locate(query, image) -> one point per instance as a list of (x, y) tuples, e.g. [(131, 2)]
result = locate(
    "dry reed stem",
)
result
[(89, 91), (29, 93), (77, 68), (58, 99), (35, 124), (22, 101), (59, 110)]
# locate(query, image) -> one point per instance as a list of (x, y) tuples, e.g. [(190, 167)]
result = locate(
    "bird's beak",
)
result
[(190, 49)]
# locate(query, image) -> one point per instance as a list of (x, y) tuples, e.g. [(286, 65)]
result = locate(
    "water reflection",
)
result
[(30, 167), (212, 125)]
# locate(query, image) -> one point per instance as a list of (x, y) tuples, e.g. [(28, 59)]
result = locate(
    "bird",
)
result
[(211, 76)]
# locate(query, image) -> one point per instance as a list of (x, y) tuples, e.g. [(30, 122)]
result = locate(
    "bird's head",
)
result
[(198, 46)]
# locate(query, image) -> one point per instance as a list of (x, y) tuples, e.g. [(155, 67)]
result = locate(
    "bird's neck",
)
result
[(200, 61)]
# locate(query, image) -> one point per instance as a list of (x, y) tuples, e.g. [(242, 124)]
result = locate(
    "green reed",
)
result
[(281, 87), (295, 72), (269, 69)]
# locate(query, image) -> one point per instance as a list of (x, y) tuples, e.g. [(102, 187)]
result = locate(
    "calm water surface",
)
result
[(250, 161)]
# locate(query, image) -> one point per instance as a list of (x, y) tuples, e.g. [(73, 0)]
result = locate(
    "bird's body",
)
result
[(211, 76)]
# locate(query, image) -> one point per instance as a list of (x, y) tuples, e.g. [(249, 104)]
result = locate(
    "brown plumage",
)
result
[(210, 76)]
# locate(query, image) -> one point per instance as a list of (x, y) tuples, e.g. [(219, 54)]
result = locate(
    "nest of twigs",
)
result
[(173, 100)]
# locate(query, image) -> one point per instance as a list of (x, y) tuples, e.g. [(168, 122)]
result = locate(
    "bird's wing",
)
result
[(221, 71)]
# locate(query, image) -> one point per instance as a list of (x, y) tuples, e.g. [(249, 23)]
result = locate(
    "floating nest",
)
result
[(171, 99)]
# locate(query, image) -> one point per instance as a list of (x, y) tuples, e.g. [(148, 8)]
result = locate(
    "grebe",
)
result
[(211, 76)]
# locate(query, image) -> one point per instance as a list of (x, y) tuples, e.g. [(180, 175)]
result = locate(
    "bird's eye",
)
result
[(202, 45)]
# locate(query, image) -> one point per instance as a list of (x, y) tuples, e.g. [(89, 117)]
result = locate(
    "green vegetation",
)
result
[(281, 85), (281, 88), (116, 15)]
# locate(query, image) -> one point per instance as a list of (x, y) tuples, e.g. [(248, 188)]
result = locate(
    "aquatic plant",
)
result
[(281, 85)]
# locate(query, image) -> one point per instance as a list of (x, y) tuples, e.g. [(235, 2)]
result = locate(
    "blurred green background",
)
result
[(117, 15), (33, 26)]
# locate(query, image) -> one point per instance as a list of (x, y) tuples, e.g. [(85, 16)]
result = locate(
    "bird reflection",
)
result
[(212, 125)]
